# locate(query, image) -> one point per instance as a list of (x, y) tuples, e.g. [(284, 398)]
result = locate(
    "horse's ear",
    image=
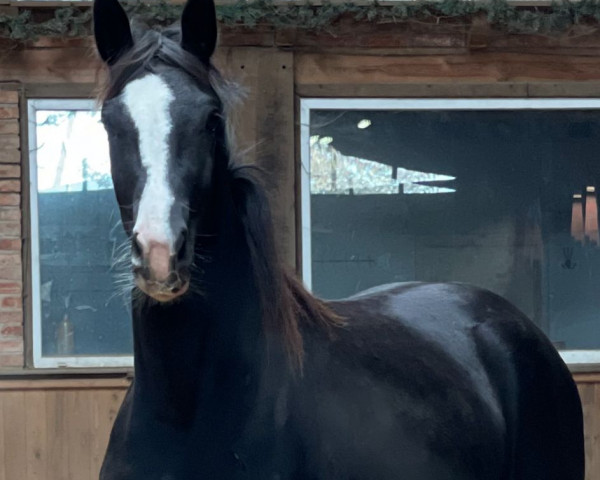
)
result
[(111, 30), (199, 28)]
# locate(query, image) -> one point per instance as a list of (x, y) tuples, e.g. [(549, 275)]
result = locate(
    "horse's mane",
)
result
[(286, 305)]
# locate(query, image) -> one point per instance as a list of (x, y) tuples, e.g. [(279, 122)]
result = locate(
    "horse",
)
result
[(240, 372)]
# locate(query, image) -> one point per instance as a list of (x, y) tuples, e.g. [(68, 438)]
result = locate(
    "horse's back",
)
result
[(441, 381)]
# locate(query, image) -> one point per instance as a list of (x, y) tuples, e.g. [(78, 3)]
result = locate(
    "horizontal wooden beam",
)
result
[(65, 384), (326, 69)]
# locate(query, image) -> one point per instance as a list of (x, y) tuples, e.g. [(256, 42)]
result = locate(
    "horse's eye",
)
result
[(213, 122)]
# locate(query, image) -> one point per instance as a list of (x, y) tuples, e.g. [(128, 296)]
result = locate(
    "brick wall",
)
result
[(11, 281)]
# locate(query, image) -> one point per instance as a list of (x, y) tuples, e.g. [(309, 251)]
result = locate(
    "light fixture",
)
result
[(325, 140), (577, 218), (591, 215), (364, 123)]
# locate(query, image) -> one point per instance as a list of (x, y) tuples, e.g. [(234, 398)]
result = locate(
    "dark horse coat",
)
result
[(242, 374)]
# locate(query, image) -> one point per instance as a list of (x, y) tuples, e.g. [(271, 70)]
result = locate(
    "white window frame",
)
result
[(39, 361), (574, 358)]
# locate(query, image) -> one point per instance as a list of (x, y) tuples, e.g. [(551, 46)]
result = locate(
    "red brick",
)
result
[(10, 171), (11, 303), (11, 155), (11, 272), (12, 331), (10, 244), (10, 229), (8, 127), (10, 260), (7, 199), (7, 318), (10, 287), (8, 96), (12, 360), (10, 185), (9, 142), (9, 111), (11, 345), (10, 213)]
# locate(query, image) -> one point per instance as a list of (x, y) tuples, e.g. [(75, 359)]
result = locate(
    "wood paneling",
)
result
[(359, 69), (589, 391), (54, 429), (59, 429), (263, 123)]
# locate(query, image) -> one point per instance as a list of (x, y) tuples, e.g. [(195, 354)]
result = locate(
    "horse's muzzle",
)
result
[(166, 290), (158, 273)]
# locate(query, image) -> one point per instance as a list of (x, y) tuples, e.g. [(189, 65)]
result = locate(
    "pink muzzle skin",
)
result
[(159, 261)]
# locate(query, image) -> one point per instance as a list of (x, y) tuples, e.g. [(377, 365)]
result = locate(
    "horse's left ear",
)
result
[(199, 28)]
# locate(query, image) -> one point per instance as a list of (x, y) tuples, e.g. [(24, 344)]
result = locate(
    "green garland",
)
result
[(557, 18)]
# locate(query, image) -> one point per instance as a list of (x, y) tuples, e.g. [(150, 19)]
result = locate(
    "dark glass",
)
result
[(490, 204), (84, 305)]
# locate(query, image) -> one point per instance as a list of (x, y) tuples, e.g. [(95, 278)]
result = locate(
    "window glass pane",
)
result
[(484, 197), (83, 312)]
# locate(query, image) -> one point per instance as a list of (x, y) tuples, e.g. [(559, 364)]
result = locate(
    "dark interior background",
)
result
[(80, 235), (506, 228)]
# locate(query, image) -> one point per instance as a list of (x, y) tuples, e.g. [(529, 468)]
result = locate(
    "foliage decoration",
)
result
[(29, 23)]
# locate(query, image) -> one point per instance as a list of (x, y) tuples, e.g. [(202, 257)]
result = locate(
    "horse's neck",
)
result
[(186, 351)]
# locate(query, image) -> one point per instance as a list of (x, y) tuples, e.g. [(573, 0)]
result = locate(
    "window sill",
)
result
[(79, 377)]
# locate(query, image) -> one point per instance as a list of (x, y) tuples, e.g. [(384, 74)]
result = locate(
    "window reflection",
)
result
[(496, 208), (83, 312)]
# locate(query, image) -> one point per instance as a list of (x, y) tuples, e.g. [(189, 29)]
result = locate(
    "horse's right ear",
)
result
[(111, 30)]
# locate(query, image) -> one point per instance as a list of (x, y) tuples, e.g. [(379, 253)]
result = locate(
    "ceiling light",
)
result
[(364, 123)]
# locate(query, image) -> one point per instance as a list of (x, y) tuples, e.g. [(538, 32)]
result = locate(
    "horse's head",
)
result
[(164, 126)]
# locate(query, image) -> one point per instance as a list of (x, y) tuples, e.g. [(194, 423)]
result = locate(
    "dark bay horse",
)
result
[(242, 374)]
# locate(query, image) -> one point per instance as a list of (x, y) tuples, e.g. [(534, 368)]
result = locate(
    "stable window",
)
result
[(80, 296), (499, 193)]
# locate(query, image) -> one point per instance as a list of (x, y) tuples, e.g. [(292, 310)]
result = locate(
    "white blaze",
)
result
[(147, 100)]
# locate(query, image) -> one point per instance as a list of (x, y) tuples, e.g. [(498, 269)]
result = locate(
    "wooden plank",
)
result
[(564, 89), (105, 405), (71, 90), (60, 65), (415, 90), (324, 69), (79, 435), (239, 65), (587, 396), (276, 128), (65, 384), (592, 377), (35, 435), (13, 411), (264, 128), (57, 435), (350, 34)]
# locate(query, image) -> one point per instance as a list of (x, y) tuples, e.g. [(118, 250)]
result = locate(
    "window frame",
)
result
[(38, 360), (575, 359)]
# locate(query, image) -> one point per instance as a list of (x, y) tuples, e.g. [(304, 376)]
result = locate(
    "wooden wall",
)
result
[(56, 429)]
